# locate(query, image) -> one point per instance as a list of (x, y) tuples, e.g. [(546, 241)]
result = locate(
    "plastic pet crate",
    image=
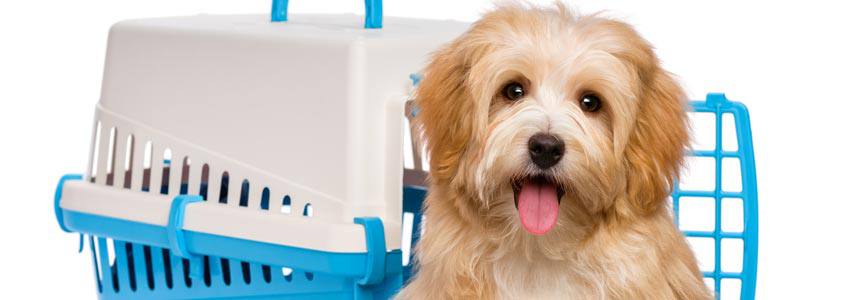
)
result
[(233, 157)]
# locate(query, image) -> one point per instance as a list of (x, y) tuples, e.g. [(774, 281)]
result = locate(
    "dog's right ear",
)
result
[(446, 114)]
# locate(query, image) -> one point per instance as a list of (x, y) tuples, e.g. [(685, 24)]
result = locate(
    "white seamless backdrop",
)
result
[(787, 61)]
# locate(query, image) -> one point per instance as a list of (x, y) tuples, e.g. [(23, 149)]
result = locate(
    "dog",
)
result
[(554, 141)]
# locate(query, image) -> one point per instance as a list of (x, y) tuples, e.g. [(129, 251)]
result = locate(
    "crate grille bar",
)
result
[(718, 105)]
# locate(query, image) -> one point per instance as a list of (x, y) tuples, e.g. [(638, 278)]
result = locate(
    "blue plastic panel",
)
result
[(231, 267), (718, 105), (143, 263)]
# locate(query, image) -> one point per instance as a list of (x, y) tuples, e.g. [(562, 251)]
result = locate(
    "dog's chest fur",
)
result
[(516, 278), (583, 276)]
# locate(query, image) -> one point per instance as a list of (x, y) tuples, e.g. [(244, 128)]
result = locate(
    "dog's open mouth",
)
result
[(537, 199)]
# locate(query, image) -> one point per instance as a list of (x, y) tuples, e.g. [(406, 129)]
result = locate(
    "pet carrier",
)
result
[(233, 157)]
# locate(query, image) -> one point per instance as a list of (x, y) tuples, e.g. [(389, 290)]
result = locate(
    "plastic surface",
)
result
[(376, 260), (262, 225), (58, 197), (176, 237), (718, 105), (375, 282), (275, 106), (290, 131), (376, 273), (374, 12)]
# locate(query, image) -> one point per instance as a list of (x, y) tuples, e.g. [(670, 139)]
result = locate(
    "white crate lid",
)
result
[(316, 101)]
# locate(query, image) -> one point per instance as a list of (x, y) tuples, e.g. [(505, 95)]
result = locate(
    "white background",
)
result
[(787, 62)]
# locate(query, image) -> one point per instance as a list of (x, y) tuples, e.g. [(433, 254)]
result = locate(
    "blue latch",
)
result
[(176, 237), (57, 210), (376, 247), (58, 197)]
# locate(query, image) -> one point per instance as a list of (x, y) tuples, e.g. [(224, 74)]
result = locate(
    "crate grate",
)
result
[(718, 105)]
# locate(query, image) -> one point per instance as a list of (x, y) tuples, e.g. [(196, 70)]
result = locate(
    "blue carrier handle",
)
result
[(374, 13)]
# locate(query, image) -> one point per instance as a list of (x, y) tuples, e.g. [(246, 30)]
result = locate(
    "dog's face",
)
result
[(546, 121)]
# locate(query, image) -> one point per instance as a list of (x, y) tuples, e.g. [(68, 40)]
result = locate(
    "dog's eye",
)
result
[(513, 91), (590, 103)]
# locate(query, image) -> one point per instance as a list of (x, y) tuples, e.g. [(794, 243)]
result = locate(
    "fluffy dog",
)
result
[(554, 140)]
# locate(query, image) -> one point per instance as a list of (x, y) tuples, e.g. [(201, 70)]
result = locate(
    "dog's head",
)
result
[(542, 119)]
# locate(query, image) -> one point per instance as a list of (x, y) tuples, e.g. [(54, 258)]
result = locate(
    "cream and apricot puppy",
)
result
[(554, 140)]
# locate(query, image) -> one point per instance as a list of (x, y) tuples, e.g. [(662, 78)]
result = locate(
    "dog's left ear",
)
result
[(656, 147)]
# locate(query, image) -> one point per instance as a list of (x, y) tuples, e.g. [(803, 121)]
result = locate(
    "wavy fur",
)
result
[(615, 238)]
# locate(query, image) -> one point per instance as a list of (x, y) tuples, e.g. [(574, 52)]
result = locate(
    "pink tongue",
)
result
[(538, 207)]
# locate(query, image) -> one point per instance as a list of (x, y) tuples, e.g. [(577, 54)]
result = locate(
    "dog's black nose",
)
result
[(545, 150)]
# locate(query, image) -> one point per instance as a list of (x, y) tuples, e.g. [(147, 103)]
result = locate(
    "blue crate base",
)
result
[(144, 268)]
